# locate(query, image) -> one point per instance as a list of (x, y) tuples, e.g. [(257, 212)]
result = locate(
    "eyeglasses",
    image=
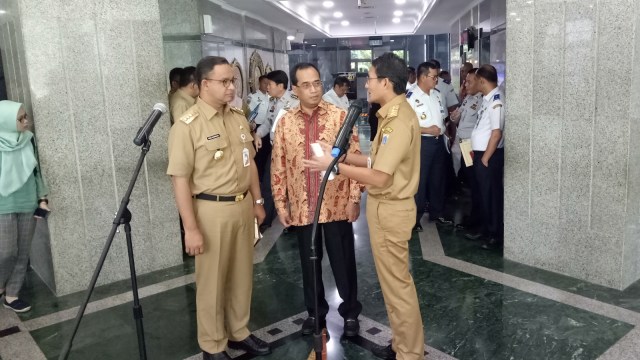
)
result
[(434, 77), (375, 78), (225, 82), (308, 85), (23, 118)]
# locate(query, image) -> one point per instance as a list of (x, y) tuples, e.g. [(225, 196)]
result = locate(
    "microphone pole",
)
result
[(123, 217), (339, 149)]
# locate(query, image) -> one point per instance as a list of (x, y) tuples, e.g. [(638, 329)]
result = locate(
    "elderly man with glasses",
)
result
[(295, 191)]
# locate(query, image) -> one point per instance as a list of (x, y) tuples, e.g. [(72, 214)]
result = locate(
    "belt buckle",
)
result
[(239, 197)]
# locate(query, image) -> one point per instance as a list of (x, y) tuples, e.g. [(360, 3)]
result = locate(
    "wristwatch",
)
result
[(259, 201)]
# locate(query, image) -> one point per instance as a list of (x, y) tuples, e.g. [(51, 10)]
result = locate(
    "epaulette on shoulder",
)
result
[(393, 112), (189, 116), (237, 111), (436, 89), (294, 96)]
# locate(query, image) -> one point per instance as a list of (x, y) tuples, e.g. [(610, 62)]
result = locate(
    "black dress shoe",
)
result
[(309, 325), (351, 327), (385, 352), (418, 228), (252, 345), (492, 244), (217, 356)]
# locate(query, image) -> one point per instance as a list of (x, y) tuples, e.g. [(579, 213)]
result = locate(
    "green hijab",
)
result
[(17, 159)]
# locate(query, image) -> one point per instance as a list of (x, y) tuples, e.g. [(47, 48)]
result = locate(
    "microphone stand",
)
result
[(317, 334), (123, 217)]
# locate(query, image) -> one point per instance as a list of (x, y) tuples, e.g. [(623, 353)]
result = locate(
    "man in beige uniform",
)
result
[(391, 175), (184, 98), (212, 169)]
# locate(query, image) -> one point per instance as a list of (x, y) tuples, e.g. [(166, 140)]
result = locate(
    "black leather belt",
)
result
[(210, 197)]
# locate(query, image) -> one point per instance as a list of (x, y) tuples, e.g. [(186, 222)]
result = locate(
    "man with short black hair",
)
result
[(280, 102), (449, 98), (487, 141), (295, 191), (392, 182), (427, 103), (216, 186), (186, 95), (411, 73), (338, 95), (174, 80)]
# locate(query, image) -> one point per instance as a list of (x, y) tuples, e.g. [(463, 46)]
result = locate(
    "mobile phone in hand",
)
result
[(41, 213)]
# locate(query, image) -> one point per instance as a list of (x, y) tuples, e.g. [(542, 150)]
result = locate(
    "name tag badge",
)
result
[(245, 157)]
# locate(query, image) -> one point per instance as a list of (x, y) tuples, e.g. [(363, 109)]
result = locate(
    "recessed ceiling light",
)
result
[(400, 2), (313, 45), (397, 13), (291, 37), (3, 11), (517, 19), (396, 20), (337, 14), (392, 40), (328, 4), (513, 14), (344, 23)]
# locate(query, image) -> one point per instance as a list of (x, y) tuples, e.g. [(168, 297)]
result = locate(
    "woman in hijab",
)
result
[(22, 192)]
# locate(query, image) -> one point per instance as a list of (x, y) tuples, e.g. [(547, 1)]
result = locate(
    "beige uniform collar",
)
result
[(208, 111)]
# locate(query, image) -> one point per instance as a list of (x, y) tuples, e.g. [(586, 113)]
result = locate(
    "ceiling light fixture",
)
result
[(337, 14), (313, 45), (400, 2), (513, 14), (328, 4), (397, 13), (344, 23), (291, 37), (517, 19), (3, 11), (396, 20)]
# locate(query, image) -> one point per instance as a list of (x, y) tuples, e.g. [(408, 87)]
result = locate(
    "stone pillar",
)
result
[(181, 33), (94, 70), (572, 168)]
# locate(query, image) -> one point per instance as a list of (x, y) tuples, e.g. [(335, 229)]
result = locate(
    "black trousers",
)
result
[(339, 241), (491, 189), (263, 163), (469, 176), (432, 177)]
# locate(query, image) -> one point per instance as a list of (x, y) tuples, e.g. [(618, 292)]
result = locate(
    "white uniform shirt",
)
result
[(428, 108), (286, 102), (332, 97), (261, 101), (469, 115), (490, 117), (448, 94)]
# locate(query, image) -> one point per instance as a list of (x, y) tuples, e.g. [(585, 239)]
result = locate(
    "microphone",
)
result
[(342, 140), (145, 130)]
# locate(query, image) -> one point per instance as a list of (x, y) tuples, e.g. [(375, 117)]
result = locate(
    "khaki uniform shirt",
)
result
[(396, 150), (213, 149), (179, 103)]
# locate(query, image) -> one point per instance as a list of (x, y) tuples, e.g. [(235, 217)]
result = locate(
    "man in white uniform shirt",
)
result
[(411, 73), (449, 98), (259, 109), (280, 101), (466, 117), (338, 95), (427, 104), (487, 141)]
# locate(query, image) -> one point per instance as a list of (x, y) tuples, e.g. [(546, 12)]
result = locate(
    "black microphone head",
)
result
[(357, 104)]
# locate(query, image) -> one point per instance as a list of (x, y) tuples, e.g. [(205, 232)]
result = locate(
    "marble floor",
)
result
[(474, 303)]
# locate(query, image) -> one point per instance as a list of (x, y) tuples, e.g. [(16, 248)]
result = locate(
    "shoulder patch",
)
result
[(189, 117), (237, 111), (497, 106), (496, 97), (447, 82), (393, 112), (409, 93)]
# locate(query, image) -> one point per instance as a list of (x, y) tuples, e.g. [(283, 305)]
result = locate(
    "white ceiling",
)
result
[(373, 18)]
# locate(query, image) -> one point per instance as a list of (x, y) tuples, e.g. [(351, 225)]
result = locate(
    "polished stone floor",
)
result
[(474, 303)]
